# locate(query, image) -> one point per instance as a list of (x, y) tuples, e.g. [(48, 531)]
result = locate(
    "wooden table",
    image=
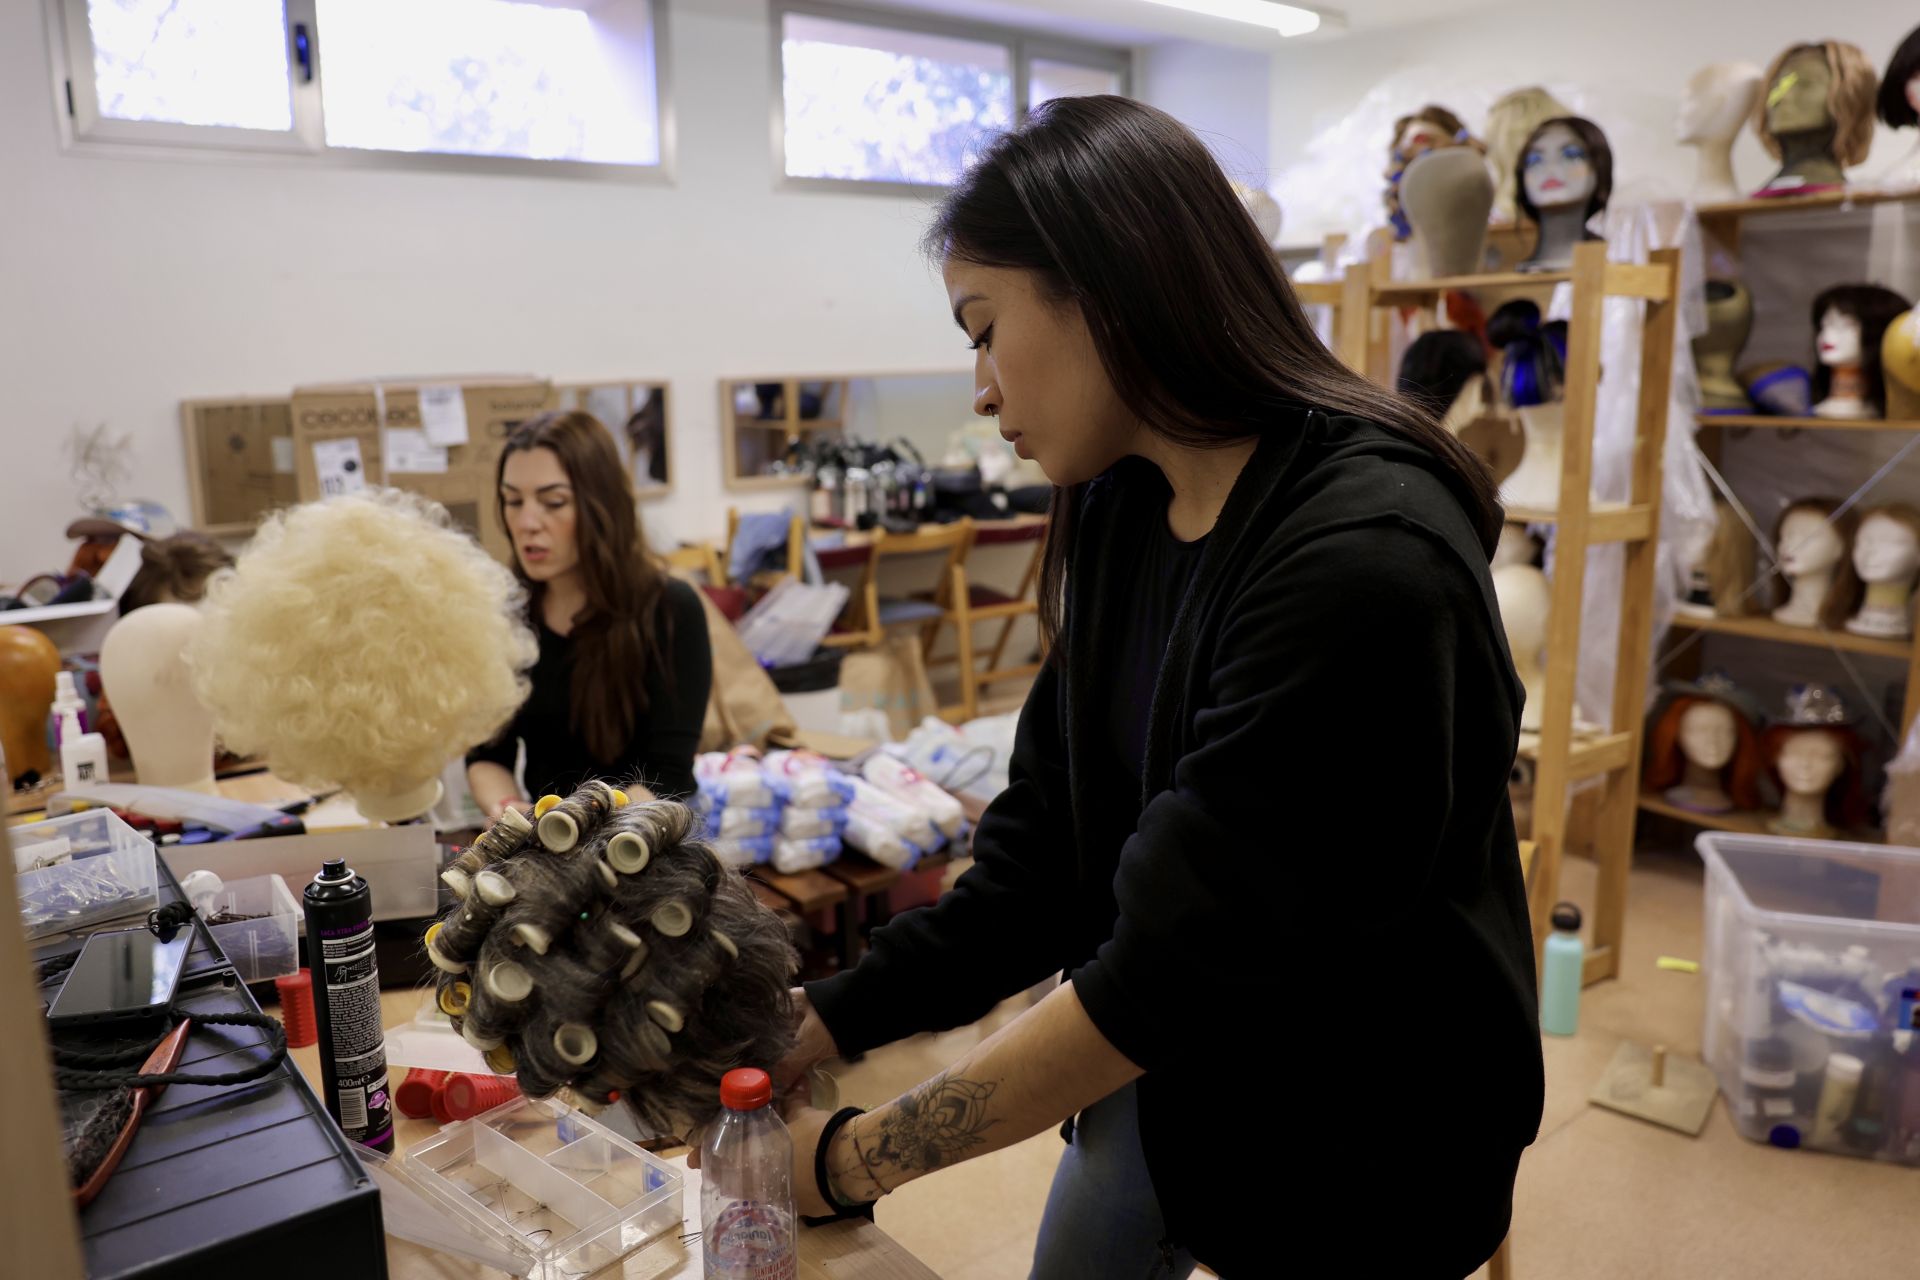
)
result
[(843, 1251)]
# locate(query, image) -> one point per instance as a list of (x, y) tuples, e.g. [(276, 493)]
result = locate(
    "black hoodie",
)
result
[(1308, 928)]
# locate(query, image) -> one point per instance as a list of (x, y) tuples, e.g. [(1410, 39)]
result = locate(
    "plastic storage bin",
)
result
[(1813, 955), (546, 1184), (97, 869), (268, 945)]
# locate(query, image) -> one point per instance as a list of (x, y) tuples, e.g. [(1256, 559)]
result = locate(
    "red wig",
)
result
[(1666, 765)]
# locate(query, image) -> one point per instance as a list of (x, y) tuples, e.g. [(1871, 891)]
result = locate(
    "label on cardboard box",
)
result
[(282, 455), (408, 451), (443, 415), (337, 465)]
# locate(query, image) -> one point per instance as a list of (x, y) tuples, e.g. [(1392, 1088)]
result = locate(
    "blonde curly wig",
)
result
[(363, 642)]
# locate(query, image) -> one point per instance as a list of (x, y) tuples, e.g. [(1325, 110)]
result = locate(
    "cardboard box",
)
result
[(394, 451), (239, 460)]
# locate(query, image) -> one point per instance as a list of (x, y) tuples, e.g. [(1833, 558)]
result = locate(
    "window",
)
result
[(907, 102), (499, 80)]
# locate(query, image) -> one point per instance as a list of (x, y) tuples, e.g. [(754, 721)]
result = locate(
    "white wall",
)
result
[(1220, 93), (1624, 64)]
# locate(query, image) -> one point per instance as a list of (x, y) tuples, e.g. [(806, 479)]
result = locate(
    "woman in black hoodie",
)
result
[(1258, 812)]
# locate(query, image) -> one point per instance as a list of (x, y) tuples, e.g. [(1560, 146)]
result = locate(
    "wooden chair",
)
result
[(870, 616), (698, 557), (980, 603)]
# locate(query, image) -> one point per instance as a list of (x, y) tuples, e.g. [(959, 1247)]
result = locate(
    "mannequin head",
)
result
[(1445, 196), (1899, 101), (1808, 542), (1565, 162), (28, 664), (1437, 365), (1510, 122), (1729, 323), (174, 568), (1849, 321), (1532, 355), (1709, 732), (143, 669), (1814, 87), (1808, 761), (1887, 547), (1717, 102), (363, 641), (1414, 135), (1814, 751)]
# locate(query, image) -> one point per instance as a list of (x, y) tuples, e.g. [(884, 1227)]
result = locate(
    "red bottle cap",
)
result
[(746, 1089)]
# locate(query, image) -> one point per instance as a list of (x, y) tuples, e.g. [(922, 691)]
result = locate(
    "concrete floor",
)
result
[(1600, 1194)]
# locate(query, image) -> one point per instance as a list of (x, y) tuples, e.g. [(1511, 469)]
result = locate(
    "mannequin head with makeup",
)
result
[(1511, 120), (1566, 176), (1850, 321), (1815, 116), (1714, 109), (1087, 351)]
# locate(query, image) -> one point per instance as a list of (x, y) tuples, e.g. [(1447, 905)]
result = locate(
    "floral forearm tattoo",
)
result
[(938, 1124)]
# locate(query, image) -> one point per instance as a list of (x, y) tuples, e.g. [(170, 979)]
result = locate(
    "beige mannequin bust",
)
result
[(1708, 736), (1886, 555), (1717, 351), (1810, 550), (1809, 763), (1525, 598), (1535, 483), (169, 733), (1714, 109), (1446, 195)]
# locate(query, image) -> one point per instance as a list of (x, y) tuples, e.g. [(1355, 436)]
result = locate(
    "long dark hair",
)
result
[(1875, 308), (622, 633), (1119, 209)]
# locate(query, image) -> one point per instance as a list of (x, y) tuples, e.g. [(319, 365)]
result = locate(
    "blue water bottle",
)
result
[(1560, 980)]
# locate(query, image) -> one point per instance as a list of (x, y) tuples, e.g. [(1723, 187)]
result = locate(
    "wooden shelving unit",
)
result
[(753, 442), (1562, 755), (1721, 223), (1738, 821)]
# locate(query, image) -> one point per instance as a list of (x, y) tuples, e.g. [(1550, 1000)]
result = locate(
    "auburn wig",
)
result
[(1667, 764)]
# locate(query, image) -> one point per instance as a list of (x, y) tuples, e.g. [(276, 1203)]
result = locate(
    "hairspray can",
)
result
[(346, 1004)]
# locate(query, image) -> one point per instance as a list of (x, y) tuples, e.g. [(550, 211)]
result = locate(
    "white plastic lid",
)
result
[(1844, 1067), (64, 694)]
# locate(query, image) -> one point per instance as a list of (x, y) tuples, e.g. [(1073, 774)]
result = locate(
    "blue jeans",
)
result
[(1103, 1220)]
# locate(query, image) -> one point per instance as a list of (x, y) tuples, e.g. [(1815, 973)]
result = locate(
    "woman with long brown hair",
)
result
[(1258, 812), (620, 688)]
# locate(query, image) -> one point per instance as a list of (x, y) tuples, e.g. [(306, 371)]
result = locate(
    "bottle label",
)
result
[(359, 1044), (751, 1241)]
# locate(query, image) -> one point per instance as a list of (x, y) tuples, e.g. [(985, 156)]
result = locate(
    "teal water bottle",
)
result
[(1560, 980)]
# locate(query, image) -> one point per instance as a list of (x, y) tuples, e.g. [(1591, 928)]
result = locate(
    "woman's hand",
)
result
[(812, 1044), (804, 1124)]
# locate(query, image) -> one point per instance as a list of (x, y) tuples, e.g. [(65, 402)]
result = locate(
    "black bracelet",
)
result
[(840, 1211)]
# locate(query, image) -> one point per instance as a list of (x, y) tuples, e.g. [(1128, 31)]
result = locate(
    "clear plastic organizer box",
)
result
[(533, 1187), (81, 869), (267, 945), (1813, 973)]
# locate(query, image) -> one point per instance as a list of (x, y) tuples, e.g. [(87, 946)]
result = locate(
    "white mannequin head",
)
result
[(1808, 544), (1516, 546), (1718, 100), (1556, 170), (1525, 600), (1810, 762), (143, 668), (1839, 342), (1708, 735), (1886, 549)]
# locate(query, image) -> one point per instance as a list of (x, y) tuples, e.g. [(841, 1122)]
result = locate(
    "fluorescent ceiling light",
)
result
[(1287, 19)]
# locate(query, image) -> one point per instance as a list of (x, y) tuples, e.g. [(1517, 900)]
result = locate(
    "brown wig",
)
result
[(1850, 97), (1875, 308), (1599, 155), (1847, 804), (1667, 764), (1730, 563), (1894, 109), (1203, 336), (622, 633), (174, 569), (1846, 590)]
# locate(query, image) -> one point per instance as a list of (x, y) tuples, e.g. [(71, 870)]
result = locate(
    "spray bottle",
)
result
[(66, 697), (346, 1005), (83, 756)]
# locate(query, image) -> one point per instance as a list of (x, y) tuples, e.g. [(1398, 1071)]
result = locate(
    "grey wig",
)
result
[(609, 952)]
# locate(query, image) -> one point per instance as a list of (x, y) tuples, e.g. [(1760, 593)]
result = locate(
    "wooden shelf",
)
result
[(1399, 291), (1763, 628), (1847, 199), (1806, 424), (1317, 293), (1739, 821), (783, 426), (1606, 521)]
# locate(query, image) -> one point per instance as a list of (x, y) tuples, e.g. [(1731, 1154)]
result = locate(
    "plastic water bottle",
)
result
[(1560, 982), (746, 1187)]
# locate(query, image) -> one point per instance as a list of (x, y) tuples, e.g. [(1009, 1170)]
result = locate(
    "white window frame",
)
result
[(85, 132), (1022, 47)]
